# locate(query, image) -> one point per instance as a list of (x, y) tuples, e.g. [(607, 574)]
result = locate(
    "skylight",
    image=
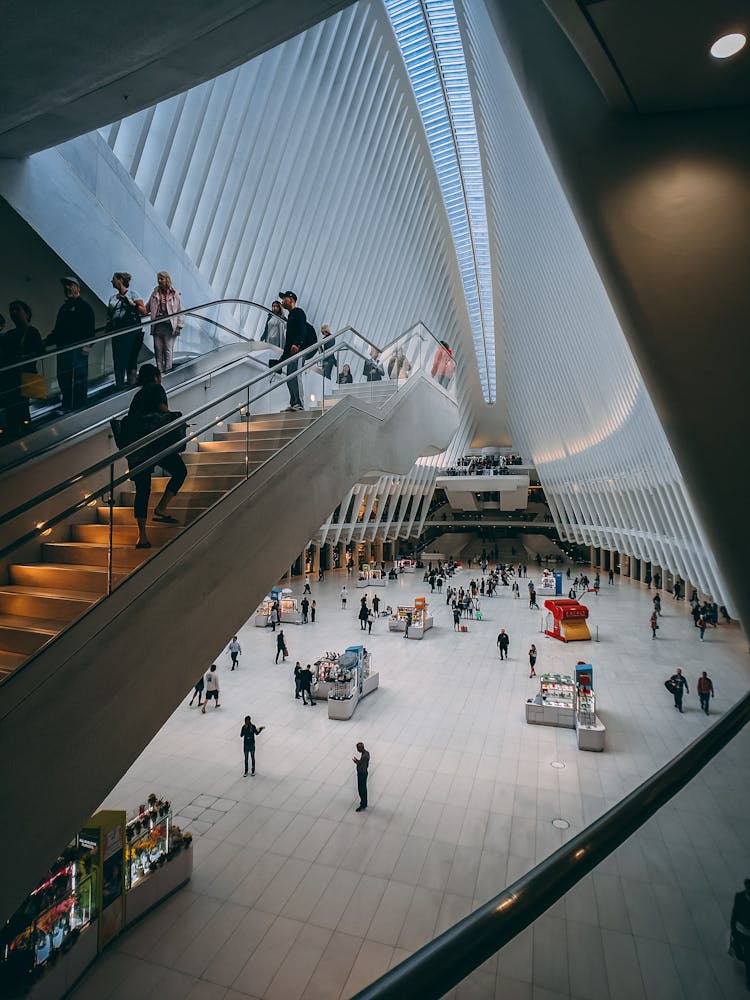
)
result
[(428, 34)]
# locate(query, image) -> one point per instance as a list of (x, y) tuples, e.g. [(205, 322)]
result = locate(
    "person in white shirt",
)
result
[(212, 688), (307, 586), (235, 651), (344, 595)]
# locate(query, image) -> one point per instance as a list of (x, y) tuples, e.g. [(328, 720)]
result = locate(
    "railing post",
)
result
[(110, 553), (247, 435)]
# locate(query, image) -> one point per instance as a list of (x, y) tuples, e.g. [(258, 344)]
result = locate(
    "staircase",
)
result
[(42, 598)]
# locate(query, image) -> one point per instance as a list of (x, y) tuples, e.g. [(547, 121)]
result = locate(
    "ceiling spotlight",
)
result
[(728, 45)]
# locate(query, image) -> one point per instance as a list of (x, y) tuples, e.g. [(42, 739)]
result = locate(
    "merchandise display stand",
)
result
[(421, 622), (290, 612), (555, 703), (590, 729), (107, 878), (371, 578), (344, 680), (406, 565)]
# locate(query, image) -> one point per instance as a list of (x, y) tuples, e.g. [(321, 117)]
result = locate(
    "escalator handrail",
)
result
[(149, 463), (104, 422), (314, 353), (195, 311), (447, 960)]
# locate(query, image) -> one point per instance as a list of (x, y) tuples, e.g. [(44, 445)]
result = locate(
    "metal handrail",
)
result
[(443, 963), (100, 337), (314, 353)]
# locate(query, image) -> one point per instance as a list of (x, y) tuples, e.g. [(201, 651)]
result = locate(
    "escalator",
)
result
[(111, 637)]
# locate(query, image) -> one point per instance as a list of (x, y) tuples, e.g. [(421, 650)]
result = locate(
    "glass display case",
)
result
[(557, 690), (586, 707), (149, 836), (416, 614), (50, 920)]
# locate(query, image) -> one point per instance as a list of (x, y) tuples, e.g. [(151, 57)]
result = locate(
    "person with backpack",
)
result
[(212, 688), (149, 410), (298, 337)]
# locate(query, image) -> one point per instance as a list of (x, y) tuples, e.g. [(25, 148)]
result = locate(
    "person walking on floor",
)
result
[(705, 690), (740, 929), (248, 734), (305, 606), (313, 609), (370, 620), (701, 626), (235, 651), (653, 624), (456, 618), (199, 685), (503, 641), (297, 680), (407, 624), (212, 687), (679, 687), (305, 679), (307, 586), (344, 594), (611, 577), (532, 599), (657, 604), (281, 646), (363, 765), (532, 660), (363, 613), (376, 605)]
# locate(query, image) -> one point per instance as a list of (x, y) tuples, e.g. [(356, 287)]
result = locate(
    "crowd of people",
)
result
[(22, 346), (484, 465)]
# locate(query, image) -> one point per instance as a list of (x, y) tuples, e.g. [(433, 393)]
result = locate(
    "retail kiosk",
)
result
[(590, 729), (371, 577), (344, 679), (550, 584), (567, 621), (109, 876), (421, 622), (555, 705), (406, 565), (290, 612)]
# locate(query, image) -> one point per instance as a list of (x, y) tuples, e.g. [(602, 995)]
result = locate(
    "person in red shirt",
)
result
[(705, 690)]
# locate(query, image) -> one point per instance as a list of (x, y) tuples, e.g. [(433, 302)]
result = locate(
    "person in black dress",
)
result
[(148, 403)]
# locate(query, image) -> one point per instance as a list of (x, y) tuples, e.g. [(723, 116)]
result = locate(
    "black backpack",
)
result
[(311, 337)]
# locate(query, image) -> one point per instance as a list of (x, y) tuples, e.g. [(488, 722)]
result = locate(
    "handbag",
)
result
[(33, 385), (669, 685)]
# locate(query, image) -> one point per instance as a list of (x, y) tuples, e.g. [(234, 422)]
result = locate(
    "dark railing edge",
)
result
[(452, 956)]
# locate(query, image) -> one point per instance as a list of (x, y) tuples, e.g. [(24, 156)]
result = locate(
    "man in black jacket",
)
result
[(740, 925), (74, 326), (296, 335)]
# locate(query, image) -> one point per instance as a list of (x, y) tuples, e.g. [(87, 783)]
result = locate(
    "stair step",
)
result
[(256, 442), (198, 484), (19, 634), (194, 499), (202, 463), (123, 534), (272, 421), (36, 602), (92, 579), (125, 557), (257, 432), (123, 514), (10, 662), (237, 448)]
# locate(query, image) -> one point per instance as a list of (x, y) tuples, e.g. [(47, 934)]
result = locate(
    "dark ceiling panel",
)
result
[(661, 50)]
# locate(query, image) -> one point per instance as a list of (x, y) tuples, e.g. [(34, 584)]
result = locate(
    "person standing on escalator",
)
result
[(74, 329), (148, 411), (296, 337), (124, 311)]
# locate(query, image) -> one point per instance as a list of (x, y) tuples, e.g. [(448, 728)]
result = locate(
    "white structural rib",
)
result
[(577, 404)]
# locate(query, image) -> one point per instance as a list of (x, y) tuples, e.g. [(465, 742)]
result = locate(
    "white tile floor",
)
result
[(295, 896)]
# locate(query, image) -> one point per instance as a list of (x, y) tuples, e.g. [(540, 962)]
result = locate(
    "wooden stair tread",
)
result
[(51, 592), (44, 625)]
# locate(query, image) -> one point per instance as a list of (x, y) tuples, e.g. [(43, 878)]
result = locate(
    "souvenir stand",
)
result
[(371, 577), (405, 565), (91, 893), (567, 621), (290, 612), (590, 729), (555, 704), (550, 584), (420, 620), (344, 679)]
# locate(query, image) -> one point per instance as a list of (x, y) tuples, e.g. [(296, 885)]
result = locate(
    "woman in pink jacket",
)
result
[(443, 366), (164, 303)]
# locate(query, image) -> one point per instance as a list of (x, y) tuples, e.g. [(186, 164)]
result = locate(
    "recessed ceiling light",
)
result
[(728, 45)]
